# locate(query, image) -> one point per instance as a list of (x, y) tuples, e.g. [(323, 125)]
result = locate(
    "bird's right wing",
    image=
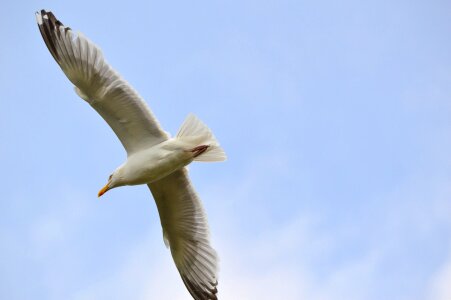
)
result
[(102, 87), (185, 230)]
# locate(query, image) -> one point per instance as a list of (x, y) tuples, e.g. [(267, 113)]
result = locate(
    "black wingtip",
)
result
[(48, 25), (199, 293)]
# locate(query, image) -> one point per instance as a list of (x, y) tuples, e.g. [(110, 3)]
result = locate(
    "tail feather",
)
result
[(196, 132)]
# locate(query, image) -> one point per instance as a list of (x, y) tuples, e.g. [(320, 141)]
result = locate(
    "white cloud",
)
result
[(58, 221), (146, 273), (278, 265), (440, 286), (274, 265)]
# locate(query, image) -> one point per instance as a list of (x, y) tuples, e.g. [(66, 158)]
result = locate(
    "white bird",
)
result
[(153, 158)]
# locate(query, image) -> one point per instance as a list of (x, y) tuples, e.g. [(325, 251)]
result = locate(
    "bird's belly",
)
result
[(154, 165)]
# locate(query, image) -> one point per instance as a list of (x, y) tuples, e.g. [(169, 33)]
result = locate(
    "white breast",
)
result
[(156, 162)]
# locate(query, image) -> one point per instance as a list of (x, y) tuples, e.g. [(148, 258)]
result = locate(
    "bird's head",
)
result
[(113, 181)]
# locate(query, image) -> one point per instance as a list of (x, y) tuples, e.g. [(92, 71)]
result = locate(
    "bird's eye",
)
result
[(109, 178)]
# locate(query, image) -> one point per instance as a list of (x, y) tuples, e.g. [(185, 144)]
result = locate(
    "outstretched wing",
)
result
[(102, 87), (185, 230)]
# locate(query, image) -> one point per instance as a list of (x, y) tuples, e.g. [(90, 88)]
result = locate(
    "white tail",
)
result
[(197, 134)]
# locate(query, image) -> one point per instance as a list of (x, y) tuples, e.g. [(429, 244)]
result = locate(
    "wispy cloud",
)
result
[(147, 272), (440, 285)]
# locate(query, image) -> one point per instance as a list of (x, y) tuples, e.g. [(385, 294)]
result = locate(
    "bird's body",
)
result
[(153, 158), (154, 163)]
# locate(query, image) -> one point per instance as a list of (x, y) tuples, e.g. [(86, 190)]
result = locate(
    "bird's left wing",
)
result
[(185, 230), (102, 87)]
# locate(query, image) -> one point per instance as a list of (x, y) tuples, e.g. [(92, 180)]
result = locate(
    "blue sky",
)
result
[(335, 116)]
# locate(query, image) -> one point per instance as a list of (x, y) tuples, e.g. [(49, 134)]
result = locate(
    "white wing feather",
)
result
[(185, 229), (101, 86)]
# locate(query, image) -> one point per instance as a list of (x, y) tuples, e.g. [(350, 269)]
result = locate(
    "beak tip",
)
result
[(103, 191)]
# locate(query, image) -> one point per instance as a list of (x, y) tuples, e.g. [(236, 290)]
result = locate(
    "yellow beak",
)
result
[(103, 190)]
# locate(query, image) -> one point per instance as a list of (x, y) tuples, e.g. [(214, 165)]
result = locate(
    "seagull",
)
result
[(153, 157)]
